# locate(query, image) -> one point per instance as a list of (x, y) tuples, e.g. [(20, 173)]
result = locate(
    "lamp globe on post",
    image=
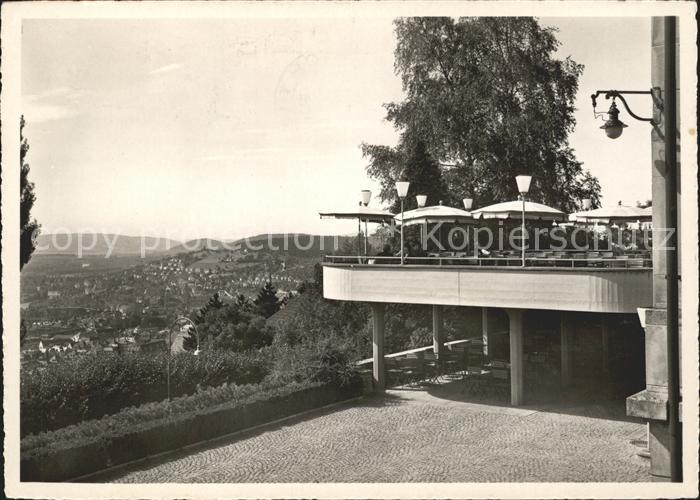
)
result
[(365, 196), (468, 203), (523, 182), (402, 191)]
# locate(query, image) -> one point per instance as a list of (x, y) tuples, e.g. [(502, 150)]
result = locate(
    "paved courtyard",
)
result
[(431, 435)]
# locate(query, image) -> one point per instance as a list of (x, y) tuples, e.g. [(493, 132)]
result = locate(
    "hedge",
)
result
[(153, 428), (91, 386)]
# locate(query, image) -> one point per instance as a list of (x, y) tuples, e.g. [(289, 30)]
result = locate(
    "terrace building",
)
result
[(621, 301)]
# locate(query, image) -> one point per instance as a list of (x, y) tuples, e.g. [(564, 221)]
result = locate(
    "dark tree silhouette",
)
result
[(267, 301), (29, 228)]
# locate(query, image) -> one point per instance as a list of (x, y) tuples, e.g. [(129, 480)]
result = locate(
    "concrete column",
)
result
[(378, 372), (566, 341), (660, 451), (485, 331), (605, 341), (438, 338), (517, 385)]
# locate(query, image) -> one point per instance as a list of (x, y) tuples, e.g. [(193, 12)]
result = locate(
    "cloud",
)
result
[(165, 69), (50, 104), (242, 154), (37, 113)]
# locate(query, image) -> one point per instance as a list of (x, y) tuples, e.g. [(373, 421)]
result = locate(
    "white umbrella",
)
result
[(369, 214), (361, 213), (435, 214), (514, 210), (611, 215)]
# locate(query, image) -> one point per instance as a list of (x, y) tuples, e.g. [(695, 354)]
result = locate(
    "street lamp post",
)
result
[(523, 182), (359, 232), (366, 195), (402, 191), (587, 203), (468, 203), (421, 199)]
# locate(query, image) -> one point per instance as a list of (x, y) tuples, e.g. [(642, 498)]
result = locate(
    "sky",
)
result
[(227, 128)]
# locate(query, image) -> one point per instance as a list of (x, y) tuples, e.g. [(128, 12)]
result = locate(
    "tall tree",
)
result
[(490, 101), (412, 162), (28, 226), (267, 301)]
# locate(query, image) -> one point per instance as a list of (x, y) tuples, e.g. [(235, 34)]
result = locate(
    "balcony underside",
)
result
[(577, 289)]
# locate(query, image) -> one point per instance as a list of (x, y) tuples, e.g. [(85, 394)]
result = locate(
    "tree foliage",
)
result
[(85, 387), (236, 326), (487, 99), (28, 226), (267, 301)]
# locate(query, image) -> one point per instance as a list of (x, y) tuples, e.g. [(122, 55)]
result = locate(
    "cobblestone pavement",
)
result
[(425, 436)]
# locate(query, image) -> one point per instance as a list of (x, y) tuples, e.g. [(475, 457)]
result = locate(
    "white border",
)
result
[(12, 15)]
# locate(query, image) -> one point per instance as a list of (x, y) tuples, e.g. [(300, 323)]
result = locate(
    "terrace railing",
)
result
[(539, 260)]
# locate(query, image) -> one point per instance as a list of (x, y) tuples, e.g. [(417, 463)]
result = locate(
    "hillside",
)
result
[(101, 244)]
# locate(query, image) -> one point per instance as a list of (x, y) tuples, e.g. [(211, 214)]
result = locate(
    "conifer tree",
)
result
[(267, 301), (28, 226)]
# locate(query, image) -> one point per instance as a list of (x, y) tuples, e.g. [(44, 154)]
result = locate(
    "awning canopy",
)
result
[(610, 215), (369, 214), (514, 210), (435, 214)]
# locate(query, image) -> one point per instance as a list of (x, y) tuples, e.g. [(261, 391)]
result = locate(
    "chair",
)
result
[(475, 356), (393, 372), (413, 368), (455, 359), (593, 259), (579, 260), (432, 366), (621, 261), (543, 259)]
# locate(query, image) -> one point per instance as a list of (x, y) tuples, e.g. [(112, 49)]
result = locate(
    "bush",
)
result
[(125, 420), (87, 387), (328, 360), (154, 428), (133, 420)]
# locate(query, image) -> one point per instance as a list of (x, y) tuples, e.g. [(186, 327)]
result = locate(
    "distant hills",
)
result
[(99, 244)]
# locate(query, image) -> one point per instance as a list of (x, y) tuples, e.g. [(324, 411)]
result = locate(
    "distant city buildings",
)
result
[(86, 310)]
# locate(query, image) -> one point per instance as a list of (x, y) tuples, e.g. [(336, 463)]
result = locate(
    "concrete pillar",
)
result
[(566, 342), (485, 331), (605, 341), (517, 385), (378, 372), (438, 338), (660, 451), (658, 164)]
